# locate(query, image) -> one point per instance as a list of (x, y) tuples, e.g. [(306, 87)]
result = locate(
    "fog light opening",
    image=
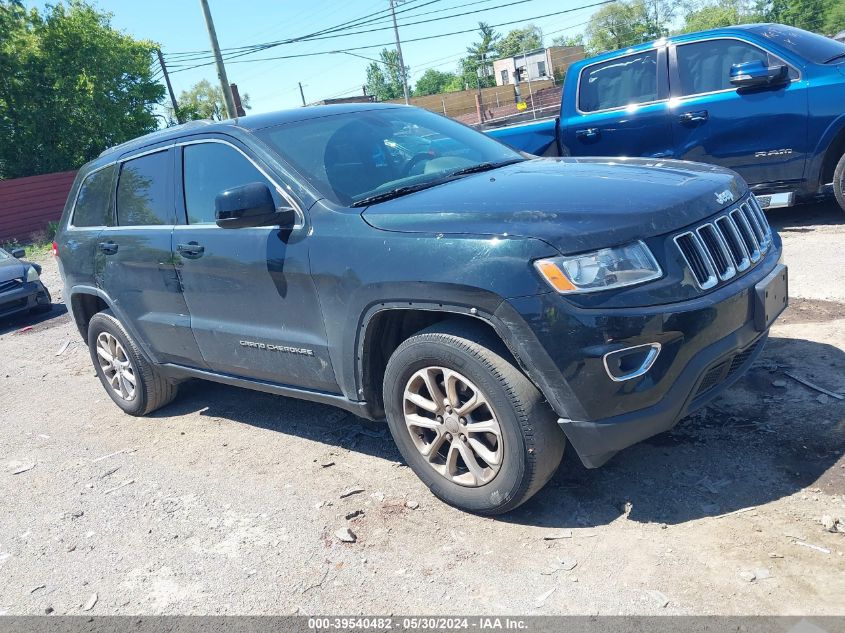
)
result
[(630, 362)]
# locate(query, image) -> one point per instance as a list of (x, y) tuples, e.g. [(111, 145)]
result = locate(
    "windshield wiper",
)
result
[(394, 193), (837, 56), (474, 169)]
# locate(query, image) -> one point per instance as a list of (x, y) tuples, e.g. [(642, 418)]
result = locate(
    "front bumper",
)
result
[(27, 296), (706, 344)]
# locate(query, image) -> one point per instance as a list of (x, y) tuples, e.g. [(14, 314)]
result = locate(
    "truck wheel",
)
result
[(470, 424), (839, 182), (135, 386)]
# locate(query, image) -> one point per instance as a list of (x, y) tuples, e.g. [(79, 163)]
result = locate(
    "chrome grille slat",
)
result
[(718, 250), (730, 232)]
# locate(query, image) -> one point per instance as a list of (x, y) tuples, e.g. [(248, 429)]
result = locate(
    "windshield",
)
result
[(4, 254), (817, 48), (357, 155)]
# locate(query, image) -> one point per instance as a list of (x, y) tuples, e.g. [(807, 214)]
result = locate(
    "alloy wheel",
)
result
[(116, 366), (453, 426)]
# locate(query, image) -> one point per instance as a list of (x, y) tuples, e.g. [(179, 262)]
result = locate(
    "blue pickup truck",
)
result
[(765, 100)]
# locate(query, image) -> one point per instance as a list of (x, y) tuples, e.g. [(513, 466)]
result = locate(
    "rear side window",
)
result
[(619, 82), (706, 66), (93, 203), (143, 193), (210, 168)]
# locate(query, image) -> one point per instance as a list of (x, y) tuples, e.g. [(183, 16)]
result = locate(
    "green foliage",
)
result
[(805, 14), (384, 78), (433, 82), (620, 25), (70, 86), (203, 100), (485, 49), (835, 19), (520, 40), (569, 40)]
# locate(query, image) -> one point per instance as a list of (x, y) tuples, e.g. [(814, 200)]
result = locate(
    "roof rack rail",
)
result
[(152, 136)]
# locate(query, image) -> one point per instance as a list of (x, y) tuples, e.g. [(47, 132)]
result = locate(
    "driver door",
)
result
[(253, 306), (760, 133)]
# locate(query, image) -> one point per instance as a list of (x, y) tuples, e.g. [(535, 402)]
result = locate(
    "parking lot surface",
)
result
[(227, 501)]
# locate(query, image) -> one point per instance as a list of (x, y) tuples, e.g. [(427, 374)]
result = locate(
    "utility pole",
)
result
[(218, 58), (399, 51), (301, 94), (169, 86)]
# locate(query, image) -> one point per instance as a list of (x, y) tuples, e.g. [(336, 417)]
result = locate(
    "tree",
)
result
[(204, 100), (805, 14), (70, 86), (835, 19), (703, 16), (568, 40), (619, 25), (484, 50), (384, 77), (433, 82), (521, 40)]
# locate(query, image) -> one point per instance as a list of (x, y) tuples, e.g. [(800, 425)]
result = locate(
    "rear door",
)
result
[(761, 133), (254, 307), (621, 108), (135, 259)]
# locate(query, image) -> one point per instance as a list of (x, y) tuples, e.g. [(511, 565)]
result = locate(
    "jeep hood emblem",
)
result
[(725, 197)]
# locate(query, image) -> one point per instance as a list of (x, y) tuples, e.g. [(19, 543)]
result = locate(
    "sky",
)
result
[(178, 27)]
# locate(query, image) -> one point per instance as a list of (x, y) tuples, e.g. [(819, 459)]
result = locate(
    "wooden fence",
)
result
[(27, 205)]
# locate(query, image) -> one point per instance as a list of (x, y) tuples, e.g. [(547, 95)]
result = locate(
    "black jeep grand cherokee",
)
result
[(397, 264)]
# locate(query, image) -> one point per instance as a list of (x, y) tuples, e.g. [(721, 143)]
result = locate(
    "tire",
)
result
[(839, 182), (151, 390), (529, 444)]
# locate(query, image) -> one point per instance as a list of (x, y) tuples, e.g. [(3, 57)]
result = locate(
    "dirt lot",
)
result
[(226, 501)]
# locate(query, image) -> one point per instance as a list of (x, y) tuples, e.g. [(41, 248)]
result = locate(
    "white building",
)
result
[(541, 63)]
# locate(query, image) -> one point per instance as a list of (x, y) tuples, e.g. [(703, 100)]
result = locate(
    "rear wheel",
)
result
[(472, 426), (132, 383), (839, 182)]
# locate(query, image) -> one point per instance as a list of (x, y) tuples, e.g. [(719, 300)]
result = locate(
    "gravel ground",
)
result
[(227, 501)]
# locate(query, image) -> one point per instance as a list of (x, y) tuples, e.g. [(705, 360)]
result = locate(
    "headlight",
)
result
[(600, 270), (31, 274)]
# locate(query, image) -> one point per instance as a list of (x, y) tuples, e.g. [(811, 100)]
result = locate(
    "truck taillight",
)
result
[(55, 250)]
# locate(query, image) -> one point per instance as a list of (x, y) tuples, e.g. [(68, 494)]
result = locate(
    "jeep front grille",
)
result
[(730, 244)]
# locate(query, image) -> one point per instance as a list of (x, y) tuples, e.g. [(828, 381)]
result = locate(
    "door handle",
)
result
[(109, 248), (588, 133), (191, 250), (699, 116)]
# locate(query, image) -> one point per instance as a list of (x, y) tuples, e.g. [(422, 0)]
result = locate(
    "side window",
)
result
[(93, 203), (142, 192), (619, 82), (706, 66), (208, 169)]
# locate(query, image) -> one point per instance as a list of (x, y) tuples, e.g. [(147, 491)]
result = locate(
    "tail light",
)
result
[(55, 250)]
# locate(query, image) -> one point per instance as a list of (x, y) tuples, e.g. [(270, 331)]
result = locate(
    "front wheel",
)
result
[(839, 182), (469, 423)]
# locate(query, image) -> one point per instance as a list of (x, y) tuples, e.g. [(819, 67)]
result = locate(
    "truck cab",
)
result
[(764, 100)]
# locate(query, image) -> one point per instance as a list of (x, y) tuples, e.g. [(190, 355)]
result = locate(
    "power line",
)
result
[(349, 24), (417, 39)]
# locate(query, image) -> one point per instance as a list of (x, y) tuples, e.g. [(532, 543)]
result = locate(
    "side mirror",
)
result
[(19, 253), (250, 205), (756, 73)]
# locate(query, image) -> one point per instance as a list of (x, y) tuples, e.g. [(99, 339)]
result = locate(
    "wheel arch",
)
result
[(833, 150), (85, 302), (385, 326)]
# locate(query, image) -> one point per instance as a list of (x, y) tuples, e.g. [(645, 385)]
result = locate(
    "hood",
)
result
[(574, 204), (12, 268)]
